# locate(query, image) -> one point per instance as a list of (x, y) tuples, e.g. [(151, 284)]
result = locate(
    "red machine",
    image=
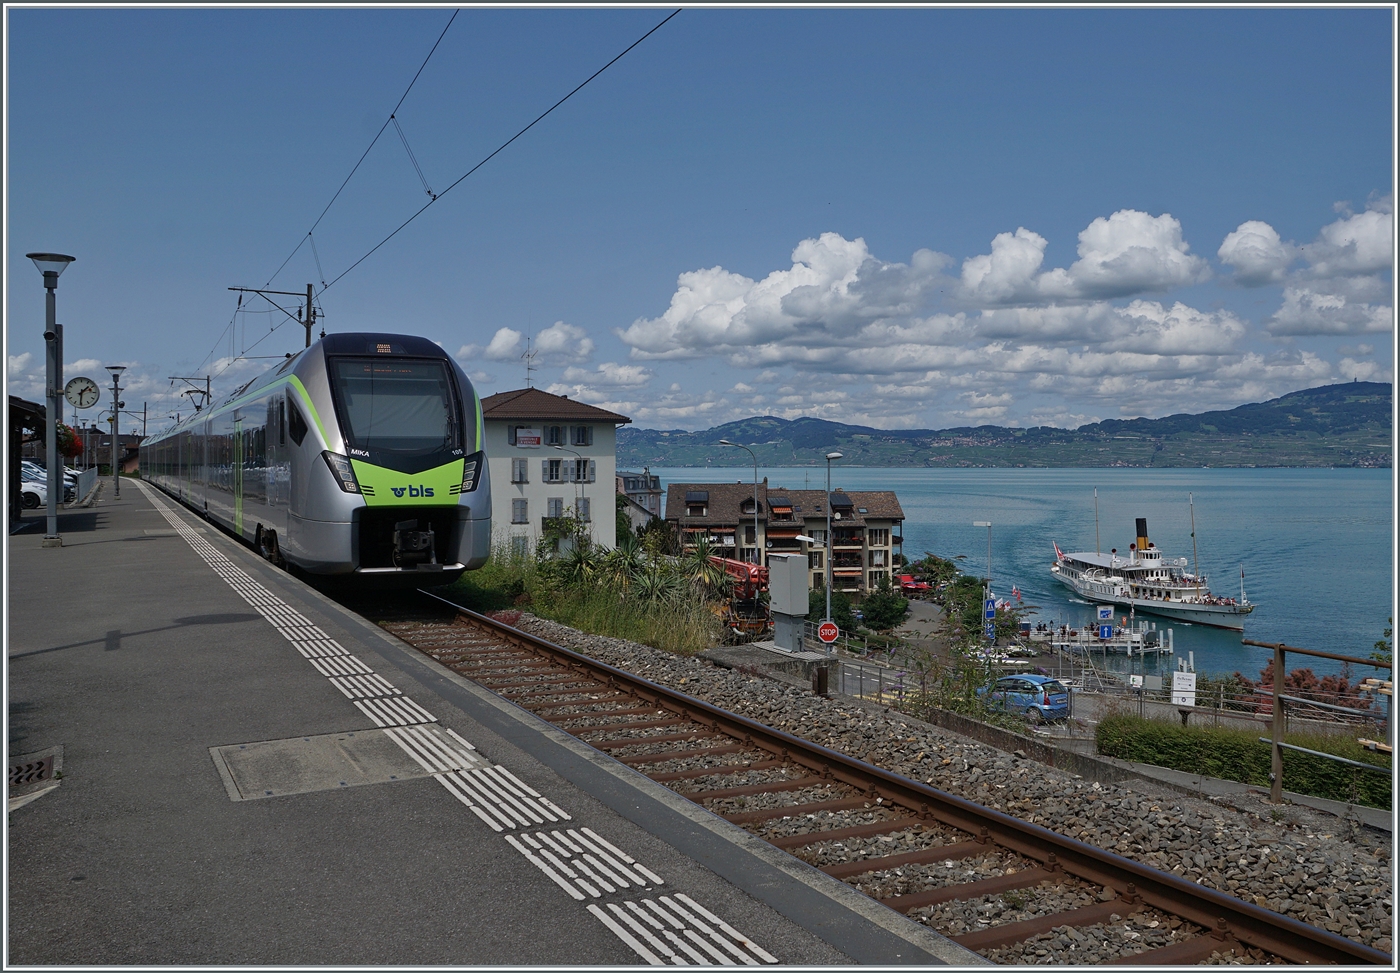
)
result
[(747, 613)]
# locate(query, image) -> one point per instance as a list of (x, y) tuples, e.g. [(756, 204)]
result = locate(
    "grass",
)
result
[(514, 581), (1231, 754)]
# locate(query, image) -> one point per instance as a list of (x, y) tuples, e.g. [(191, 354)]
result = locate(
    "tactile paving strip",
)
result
[(663, 930)]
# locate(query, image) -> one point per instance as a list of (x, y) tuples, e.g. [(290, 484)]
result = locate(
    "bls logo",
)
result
[(413, 491)]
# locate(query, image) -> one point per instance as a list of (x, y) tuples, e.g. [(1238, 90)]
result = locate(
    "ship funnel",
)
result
[(1142, 533)]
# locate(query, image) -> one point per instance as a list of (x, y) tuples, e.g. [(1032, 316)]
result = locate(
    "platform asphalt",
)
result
[(234, 791)]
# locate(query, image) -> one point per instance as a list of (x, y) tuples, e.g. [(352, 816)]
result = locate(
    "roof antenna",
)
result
[(529, 357)]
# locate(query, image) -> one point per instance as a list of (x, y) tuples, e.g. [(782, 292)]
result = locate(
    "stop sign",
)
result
[(828, 632)]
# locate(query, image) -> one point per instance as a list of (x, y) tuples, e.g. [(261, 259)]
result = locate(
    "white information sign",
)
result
[(1135, 682), (528, 438), (1184, 688), (1105, 613)]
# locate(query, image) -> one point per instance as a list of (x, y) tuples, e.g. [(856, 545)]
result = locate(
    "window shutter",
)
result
[(592, 471)]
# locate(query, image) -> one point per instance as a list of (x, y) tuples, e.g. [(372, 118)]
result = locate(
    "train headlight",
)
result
[(471, 471), (341, 470)]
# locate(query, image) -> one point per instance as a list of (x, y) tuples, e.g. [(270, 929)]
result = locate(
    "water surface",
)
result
[(1315, 544)]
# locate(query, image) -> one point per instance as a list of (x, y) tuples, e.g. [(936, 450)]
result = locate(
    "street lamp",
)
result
[(987, 592), (578, 476), (757, 556), (117, 404), (829, 458), (51, 265)]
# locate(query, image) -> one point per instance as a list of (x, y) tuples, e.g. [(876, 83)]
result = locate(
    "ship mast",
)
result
[(1191, 502)]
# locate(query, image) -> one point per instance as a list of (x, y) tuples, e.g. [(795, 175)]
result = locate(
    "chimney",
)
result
[(1142, 533)]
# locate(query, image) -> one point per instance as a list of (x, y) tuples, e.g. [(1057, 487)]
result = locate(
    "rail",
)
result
[(1203, 906)]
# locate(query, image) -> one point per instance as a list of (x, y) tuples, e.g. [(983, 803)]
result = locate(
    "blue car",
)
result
[(1033, 696)]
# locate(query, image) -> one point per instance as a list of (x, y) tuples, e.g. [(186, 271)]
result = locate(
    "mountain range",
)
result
[(1333, 425)]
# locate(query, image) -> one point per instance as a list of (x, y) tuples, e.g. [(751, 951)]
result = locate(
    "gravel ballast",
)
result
[(1308, 865)]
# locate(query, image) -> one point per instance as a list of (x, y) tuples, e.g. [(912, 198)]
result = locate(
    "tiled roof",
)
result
[(723, 506), (538, 404)]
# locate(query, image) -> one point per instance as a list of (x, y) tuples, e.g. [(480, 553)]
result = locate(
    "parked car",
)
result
[(28, 476), (33, 493), (908, 584), (1034, 696)]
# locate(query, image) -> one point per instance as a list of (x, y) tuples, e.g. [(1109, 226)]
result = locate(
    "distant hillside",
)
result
[(1335, 425)]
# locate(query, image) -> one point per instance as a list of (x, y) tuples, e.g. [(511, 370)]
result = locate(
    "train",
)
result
[(361, 456)]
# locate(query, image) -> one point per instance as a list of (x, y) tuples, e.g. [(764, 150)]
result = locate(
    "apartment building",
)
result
[(549, 456), (865, 527)]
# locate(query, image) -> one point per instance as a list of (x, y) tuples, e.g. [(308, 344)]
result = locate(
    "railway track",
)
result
[(915, 849)]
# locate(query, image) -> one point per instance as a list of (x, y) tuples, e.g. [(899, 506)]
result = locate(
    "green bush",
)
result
[(675, 617), (1231, 754)]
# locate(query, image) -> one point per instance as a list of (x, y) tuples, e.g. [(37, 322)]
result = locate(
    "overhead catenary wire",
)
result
[(366, 152), (498, 150)]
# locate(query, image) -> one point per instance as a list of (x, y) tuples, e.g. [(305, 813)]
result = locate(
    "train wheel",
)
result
[(267, 545)]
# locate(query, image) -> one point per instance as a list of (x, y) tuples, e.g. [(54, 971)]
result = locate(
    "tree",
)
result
[(1385, 648), (624, 522), (841, 613), (884, 608)]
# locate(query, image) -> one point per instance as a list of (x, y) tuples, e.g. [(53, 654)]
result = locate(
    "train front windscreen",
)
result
[(398, 413)]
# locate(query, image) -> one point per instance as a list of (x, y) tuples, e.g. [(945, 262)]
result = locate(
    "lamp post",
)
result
[(829, 458), (577, 489), (757, 555), (51, 265), (987, 592), (116, 371)]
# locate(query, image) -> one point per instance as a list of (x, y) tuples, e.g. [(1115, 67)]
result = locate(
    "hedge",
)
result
[(1231, 754)]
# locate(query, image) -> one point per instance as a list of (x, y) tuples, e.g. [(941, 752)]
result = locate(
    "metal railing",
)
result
[(1275, 738), (87, 479)]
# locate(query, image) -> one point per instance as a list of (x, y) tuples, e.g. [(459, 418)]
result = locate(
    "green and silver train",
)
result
[(362, 455)]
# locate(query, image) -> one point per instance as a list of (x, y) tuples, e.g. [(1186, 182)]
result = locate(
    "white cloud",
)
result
[(609, 374), (560, 343), (1365, 371), (1357, 244), (833, 288), (1127, 253), (505, 345), (1257, 254), (1355, 351), (18, 364), (1308, 312)]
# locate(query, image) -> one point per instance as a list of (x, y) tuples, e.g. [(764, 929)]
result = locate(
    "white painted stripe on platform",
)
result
[(612, 876), (728, 929), (626, 937), (645, 933), (634, 873), (492, 793), (508, 816), (554, 876), (339, 666), (476, 809), (694, 921)]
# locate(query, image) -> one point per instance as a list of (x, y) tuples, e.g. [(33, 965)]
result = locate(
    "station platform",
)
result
[(217, 765)]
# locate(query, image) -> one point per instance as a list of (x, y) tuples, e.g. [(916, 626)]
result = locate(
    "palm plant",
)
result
[(708, 578)]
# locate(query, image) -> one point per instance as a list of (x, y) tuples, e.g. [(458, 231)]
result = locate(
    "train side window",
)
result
[(296, 425)]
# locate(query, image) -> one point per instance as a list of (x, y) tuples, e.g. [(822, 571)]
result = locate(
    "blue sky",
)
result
[(913, 217)]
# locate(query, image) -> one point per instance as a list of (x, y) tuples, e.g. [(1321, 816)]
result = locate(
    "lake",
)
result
[(1315, 544)]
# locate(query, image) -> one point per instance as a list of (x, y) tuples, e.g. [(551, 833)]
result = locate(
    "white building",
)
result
[(550, 456)]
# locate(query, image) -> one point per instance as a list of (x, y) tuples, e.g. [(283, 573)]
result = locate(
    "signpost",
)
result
[(1105, 631), (828, 632), (989, 609), (1184, 688), (1106, 613)]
